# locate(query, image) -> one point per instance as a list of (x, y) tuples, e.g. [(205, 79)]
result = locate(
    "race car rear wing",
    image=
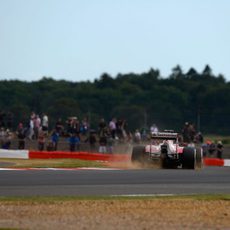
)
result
[(164, 136)]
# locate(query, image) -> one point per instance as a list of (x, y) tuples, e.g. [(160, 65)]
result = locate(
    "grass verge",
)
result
[(48, 163), (57, 199)]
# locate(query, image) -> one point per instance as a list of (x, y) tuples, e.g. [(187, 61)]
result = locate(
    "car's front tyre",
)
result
[(199, 158)]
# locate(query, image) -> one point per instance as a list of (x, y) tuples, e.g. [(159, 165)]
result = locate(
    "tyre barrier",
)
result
[(30, 154)]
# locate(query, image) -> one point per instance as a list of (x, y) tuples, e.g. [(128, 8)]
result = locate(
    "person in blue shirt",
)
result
[(74, 141), (55, 139)]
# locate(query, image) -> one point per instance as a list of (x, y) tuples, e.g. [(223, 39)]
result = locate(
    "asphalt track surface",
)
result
[(210, 180)]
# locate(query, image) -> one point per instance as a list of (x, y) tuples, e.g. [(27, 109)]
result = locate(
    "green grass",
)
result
[(56, 199), (9, 228), (48, 163)]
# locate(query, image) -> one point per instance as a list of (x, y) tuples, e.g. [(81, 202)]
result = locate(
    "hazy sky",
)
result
[(79, 40)]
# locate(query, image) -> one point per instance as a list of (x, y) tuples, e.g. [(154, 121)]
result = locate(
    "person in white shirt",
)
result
[(153, 129), (45, 123), (112, 127)]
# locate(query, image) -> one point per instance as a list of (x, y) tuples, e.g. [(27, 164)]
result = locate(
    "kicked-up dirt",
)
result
[(116, 214)]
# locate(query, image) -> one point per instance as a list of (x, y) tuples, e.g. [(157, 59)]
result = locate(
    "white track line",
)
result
[(57, 169), (144, 195)]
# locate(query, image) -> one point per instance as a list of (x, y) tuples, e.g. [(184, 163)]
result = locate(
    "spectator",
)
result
[(84, 127), (102, 144), (59, 127), (92, 140), (185, 133), (137, 137), (55, 139), (219, 149), (7, 140), (199, 139), (144, 135), (103, 140), (32, 115), (211, 148), (2, 135), (68, 125), (119, 126), (21, 134), (112, 127), (101, 125), (45, 123), (204, 147), (31, 129), (180, 139), (124, 129), (73, 142), (154, 129), (41, 140), (74, 126), (2, 132), (192, 132), (37, 126), (110, 143), (129, 138)]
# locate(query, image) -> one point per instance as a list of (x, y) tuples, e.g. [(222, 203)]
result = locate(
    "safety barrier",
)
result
[(16, 154), (78, 155), (30, 154), (213, 162)]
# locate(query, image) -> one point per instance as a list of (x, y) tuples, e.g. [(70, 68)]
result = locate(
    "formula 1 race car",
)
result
[(165, 149)]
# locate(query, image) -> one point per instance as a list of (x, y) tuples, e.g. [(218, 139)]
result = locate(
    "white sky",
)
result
[(79, 40)]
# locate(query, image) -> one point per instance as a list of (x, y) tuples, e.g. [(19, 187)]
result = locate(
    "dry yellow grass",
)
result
[(116, 214)]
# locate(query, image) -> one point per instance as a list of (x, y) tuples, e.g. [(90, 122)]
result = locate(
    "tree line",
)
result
[(142, 99)]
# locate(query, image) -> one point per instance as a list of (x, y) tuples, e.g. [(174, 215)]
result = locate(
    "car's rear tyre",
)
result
[(189, 158), (199, 158), (167, 164), (138, 154)]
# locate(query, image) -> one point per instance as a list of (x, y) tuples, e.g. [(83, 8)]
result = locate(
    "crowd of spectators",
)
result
[(191, 137), (212, 149), (73, 130), (77, 132)]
